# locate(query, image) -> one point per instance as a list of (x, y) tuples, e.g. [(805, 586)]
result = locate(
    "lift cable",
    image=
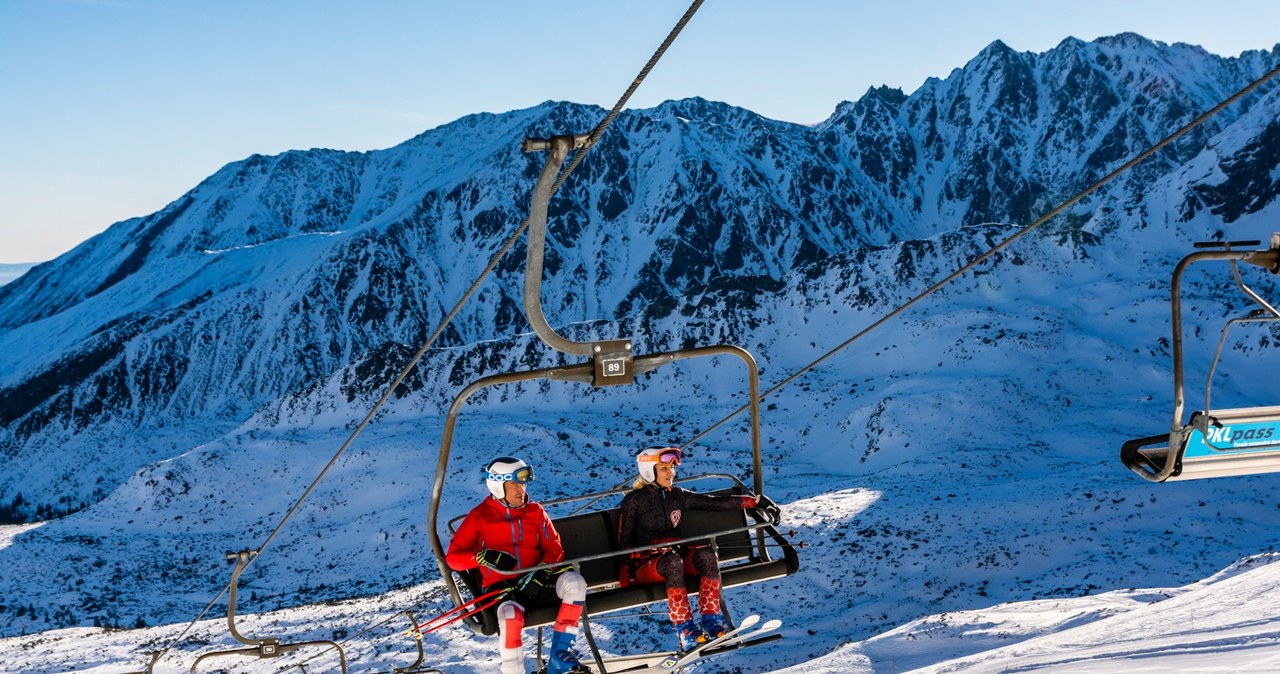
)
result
[(590, 140), (595, 134), (1000, 246)]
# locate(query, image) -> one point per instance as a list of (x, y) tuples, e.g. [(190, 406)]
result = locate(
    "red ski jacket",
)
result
[(525, 532)]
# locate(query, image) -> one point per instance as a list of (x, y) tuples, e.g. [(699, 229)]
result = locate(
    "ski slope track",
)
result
[(170, 387)]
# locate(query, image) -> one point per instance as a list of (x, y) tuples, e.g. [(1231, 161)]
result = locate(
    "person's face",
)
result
[(665, 474), (516, 494)]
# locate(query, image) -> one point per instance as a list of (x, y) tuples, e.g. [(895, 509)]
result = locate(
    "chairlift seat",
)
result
[(1244, 441), (596, 533)]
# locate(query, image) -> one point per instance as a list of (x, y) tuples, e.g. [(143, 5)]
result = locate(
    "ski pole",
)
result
[(476, 609), (475, 605)]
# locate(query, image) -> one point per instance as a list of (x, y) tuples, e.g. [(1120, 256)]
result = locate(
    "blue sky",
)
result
[(110, 109)]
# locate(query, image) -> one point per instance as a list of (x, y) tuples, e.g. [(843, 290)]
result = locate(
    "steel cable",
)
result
[(510, 242)]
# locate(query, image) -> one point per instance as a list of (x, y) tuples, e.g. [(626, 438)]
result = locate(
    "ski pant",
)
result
[(570, 591), (671, 568)]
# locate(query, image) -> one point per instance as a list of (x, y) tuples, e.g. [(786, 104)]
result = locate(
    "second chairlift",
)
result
[(1214, 442)]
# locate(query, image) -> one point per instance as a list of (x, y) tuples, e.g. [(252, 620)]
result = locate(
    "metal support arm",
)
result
[(268, 647)]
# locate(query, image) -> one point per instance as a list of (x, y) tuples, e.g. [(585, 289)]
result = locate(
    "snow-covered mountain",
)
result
[(170, 387)]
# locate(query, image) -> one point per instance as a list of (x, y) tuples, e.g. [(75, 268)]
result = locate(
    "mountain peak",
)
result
[(1130, 41), (996, 48)]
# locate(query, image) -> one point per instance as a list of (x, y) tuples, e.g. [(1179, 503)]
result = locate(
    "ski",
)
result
[(730, 644), (725, 642), (676, 661)]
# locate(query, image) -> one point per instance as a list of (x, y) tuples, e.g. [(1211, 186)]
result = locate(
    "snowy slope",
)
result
[(1226, 623), (277, 272)]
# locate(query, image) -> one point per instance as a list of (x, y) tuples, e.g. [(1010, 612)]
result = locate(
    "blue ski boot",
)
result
[(563, 659), (713, 625), (690, 634)]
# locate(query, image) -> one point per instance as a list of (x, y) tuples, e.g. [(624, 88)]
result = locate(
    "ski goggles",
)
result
[(520, 475), (669, 455)]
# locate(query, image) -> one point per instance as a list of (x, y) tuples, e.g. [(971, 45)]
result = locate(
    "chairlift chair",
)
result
[(265, 647), (1213, 442), (752, 548)]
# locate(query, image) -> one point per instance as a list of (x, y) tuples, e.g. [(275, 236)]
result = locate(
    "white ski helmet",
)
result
[(649, 459), (506, 469)]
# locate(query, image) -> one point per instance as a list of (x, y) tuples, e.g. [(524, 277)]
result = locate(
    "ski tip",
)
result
[(749, 621), (769, 626)]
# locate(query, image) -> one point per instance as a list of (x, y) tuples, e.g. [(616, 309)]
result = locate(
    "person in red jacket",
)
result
[(650, 515), (508, 531)]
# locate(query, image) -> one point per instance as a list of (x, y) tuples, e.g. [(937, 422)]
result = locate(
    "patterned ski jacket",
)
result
[(525, 532), (651, 513)]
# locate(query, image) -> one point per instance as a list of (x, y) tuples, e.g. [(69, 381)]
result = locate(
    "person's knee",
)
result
[(571, 586), (671, 567), (707, 564), (510, 615)]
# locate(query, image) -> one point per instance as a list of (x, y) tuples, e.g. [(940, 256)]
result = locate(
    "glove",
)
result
[(766, 507), (496, 559), (531, 584)]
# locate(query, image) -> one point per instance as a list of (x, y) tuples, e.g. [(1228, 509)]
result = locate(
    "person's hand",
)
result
[(496, 559), (765, 507), (530, 584)]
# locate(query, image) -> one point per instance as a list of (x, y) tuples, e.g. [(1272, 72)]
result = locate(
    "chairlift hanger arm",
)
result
[(611, 358), (558, 147)]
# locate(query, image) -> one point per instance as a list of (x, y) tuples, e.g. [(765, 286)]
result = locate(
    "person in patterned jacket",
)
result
[(650, 516), (508, 531)]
